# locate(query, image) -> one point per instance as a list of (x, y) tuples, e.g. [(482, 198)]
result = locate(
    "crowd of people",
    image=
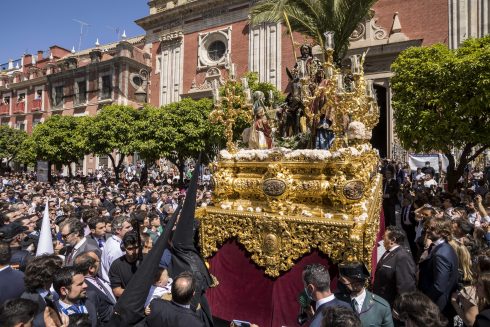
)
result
[(102, 231), (435, 269)]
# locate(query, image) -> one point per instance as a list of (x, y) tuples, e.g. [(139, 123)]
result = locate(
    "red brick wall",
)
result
[(420, 19)]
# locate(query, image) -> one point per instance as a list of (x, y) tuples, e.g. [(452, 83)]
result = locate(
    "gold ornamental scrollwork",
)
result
[(274, 187), (276, 242), (354, 190)]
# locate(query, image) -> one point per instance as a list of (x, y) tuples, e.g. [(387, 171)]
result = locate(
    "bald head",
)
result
[(183, 288)]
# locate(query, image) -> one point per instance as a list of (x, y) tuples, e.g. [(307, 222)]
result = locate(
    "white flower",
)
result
[(317, 155), (239, 208), (258, 209), (356, 130), (225, 155), (328, 215), (250, 209)]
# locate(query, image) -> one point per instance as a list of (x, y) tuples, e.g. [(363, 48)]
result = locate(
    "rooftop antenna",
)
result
[(82, 25), (117, 30)]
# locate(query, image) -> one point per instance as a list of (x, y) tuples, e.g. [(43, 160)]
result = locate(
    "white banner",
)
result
[(418, 161)]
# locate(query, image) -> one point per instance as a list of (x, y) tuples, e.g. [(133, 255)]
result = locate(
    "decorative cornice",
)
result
[(167, 37), (188, 12)]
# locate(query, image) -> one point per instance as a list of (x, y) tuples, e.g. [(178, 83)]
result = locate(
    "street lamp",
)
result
[(141, 93)]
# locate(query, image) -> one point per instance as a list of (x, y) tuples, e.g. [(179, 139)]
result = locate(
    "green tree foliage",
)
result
[(27, 152), (190, 130), (59, 140), (11, 140), (113, 130), (442, 101), (312, 18)]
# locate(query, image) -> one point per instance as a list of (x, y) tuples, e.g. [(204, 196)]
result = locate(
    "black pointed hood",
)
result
[(185, 256), (183, 235)]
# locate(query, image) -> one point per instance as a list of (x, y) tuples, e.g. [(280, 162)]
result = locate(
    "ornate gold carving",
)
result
[(281, 203), (274, 187), (275, 241), (354, 190)]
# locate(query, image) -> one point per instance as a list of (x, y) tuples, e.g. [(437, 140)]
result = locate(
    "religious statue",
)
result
[(324, 135), (260, 134), (304, 63)]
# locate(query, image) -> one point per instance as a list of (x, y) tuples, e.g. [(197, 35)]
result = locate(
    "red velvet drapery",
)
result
[(246, 293)]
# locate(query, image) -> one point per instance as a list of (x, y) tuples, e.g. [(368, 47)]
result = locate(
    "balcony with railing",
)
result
[(36, 105), (20, 107), (4, 108)]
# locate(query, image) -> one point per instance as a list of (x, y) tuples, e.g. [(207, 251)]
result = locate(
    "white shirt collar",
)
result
[(393, 248), (360, 299), (439, 241), (4, 268), (329, 298)]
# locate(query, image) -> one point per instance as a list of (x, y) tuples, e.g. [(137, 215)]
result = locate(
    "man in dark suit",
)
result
[(395, 272), (98, 291), (408, 223), (316, 280), (98, 233), (176, 313), (438, 273), (11, 281), (72, 289), (72, 232), (390, 197)]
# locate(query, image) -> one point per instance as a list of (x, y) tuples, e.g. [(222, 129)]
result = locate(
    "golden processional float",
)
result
[(323, 192)]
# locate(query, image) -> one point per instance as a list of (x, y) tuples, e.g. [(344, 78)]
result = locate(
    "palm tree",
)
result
[(312, 18)]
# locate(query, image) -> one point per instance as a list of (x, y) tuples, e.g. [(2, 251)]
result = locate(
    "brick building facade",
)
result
[(187, 45)]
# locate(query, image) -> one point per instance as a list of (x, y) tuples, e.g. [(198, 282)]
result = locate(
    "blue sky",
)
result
[(31, 25)]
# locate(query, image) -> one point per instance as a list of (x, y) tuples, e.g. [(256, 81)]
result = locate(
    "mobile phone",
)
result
[(241, 323)]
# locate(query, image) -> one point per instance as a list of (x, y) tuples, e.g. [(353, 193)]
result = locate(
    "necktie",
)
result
[(101, 244), (355, 305), (70, 257)]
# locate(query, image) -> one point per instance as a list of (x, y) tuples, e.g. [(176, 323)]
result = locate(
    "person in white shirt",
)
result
[(429, 181), (419, 174), (112, 248)]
